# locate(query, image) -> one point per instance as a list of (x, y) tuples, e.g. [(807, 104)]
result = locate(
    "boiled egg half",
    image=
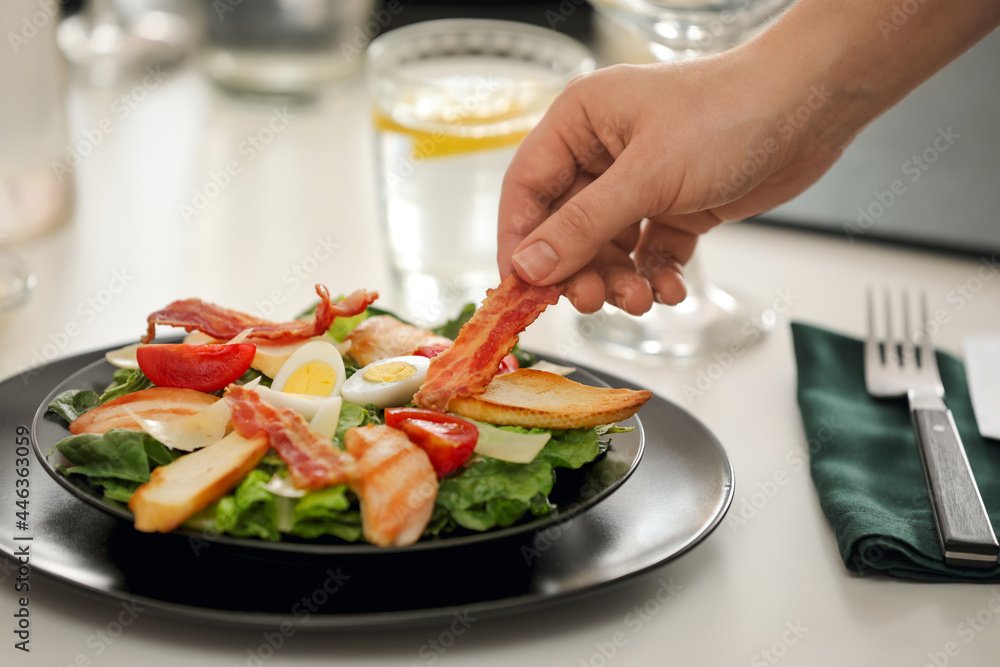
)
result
[(315, 369), (386, 383)]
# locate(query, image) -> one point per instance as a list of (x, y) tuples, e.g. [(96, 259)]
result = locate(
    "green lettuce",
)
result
[(250, 510), (489, 493), (125, 381), (73, 403), (329, 511), (117, 461), (352, 415), (253, 511)]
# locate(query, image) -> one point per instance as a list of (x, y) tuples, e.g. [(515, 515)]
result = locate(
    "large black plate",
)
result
[(673, 500), (573, 492)]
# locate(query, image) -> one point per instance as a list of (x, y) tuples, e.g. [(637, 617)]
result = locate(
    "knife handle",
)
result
[(964, 527)]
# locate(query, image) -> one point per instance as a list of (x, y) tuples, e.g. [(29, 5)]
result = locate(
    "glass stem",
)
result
[(695, 278)]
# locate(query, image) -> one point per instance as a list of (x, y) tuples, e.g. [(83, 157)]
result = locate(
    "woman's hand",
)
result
[(632, 163)]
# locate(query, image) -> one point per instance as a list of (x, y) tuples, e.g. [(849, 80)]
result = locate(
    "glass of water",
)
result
[(451, 100), (680, 29)]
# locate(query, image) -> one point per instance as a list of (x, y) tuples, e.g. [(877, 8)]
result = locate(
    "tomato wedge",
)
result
[(507, 365), (429, 351), (449, 441), (204, 368)]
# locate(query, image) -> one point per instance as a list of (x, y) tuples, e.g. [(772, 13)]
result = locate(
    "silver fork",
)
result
[(907, 367)]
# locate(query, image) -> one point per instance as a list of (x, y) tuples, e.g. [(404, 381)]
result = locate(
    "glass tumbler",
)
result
[(285, 47), (451, 100)]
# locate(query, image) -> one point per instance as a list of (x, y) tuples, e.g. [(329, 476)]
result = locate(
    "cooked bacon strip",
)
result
[(396, 484), (158, 403), (313, 461), (473, 360), (224, 324)]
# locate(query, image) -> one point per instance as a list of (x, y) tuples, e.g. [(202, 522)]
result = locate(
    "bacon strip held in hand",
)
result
[(313, 461), (223, 324), (465, 368)]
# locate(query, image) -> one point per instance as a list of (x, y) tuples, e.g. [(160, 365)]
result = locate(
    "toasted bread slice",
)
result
[(538, 399), (191, 483)]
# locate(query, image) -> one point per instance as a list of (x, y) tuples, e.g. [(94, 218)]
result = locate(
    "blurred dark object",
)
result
[(70, 7), (572, 17), (275, 47)]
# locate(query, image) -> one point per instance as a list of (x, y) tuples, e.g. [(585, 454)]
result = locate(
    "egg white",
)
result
[(360, 391), (314, 351)]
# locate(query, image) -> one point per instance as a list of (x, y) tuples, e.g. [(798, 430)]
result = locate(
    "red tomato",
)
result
[(508, 364), (449, 441), (430, 351), (205, 368)]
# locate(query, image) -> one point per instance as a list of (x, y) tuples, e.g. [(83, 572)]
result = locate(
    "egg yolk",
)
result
[(315, 378), (394, 371)]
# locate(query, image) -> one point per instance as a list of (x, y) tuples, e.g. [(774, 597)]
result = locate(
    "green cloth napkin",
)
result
[(866, 466)]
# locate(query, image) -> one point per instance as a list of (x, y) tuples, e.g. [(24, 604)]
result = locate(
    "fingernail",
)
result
[(657, 297), (537, 260)]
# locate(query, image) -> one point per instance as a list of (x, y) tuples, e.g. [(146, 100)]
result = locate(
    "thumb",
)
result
[(573, 235)]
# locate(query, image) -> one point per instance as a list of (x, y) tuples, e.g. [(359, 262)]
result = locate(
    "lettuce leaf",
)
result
[(125, 381), (251, 375), (489, 493), (329, 511), (253, 511), (70, 404), (354, 415), (118, 453), (572, 448), (117, 462), (250, 510), (344, 325)]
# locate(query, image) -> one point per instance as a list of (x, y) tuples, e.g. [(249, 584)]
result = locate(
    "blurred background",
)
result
[(239, 45), (198, 93)]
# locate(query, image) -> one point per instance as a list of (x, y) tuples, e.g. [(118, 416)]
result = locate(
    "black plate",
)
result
[(673, 500), (574, 490)]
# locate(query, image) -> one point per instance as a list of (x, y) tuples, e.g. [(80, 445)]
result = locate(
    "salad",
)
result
[(338, 385)]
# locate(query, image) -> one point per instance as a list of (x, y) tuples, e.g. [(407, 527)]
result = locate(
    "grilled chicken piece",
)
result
[(383, 336), (157, 403), (396, 484)]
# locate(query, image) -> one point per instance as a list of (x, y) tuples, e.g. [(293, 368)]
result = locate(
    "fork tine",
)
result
[(926, 345), (871, 314), (908, 344), (877, 354), (891, 344)]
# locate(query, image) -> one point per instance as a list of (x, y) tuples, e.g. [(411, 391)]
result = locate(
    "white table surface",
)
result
[(741, 592)]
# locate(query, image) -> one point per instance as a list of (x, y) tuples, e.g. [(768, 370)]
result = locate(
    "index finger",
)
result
[(544, 167)]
